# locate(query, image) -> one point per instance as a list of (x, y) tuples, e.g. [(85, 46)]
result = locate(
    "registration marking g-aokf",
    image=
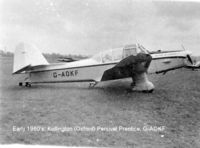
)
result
[(66, 73)]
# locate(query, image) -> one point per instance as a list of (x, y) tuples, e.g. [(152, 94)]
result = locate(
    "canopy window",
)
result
[(130, 50), (117, 54)]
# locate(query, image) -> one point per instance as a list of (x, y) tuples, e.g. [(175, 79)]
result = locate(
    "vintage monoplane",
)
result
[(131, 61)]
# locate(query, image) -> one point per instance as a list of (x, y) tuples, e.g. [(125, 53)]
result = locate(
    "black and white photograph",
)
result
[(100, 73)]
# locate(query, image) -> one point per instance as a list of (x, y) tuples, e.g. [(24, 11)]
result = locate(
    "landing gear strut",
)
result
[(132, 84)]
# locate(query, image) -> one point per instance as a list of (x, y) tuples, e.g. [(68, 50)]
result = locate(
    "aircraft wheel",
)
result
[(151, 91), (20, 84), (148, 91)]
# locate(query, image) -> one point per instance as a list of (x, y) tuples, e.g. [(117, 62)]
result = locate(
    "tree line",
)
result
[(47, 55)]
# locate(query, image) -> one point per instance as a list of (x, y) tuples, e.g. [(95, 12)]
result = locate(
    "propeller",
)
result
[(190, 59), (188, 56)]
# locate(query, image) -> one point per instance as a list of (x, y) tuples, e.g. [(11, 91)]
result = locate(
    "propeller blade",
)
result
[(190, 59)]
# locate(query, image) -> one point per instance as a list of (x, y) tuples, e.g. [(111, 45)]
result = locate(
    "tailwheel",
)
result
[(92, 84), (28, 84), (20, 84)]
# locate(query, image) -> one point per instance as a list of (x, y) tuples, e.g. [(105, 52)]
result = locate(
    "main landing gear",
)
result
[(26, 84), (148, 91), (141, 83), (134, 88)]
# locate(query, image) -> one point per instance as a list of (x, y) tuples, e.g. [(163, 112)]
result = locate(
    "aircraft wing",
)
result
[(131, 66)]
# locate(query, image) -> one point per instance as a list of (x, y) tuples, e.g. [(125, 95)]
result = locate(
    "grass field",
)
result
[(175, 104)]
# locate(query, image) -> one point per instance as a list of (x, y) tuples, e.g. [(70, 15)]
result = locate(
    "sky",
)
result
[(90, 26)]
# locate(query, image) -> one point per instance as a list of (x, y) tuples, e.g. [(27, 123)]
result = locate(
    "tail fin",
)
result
[(27, 56)]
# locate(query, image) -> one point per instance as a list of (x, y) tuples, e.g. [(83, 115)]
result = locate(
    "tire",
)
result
[(20, 84)]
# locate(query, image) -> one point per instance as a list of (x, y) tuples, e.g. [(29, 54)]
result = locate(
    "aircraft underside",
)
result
[(129, 67)]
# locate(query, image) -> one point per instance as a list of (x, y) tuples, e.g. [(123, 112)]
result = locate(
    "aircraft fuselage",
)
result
[(161, 62)]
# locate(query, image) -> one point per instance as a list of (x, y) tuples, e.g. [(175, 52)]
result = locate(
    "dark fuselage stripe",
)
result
[(180, 57), (87, 80)]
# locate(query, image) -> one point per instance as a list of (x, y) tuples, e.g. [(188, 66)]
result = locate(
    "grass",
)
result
[(174, 104)]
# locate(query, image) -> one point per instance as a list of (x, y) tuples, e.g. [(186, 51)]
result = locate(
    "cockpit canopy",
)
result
[(117, 54)]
